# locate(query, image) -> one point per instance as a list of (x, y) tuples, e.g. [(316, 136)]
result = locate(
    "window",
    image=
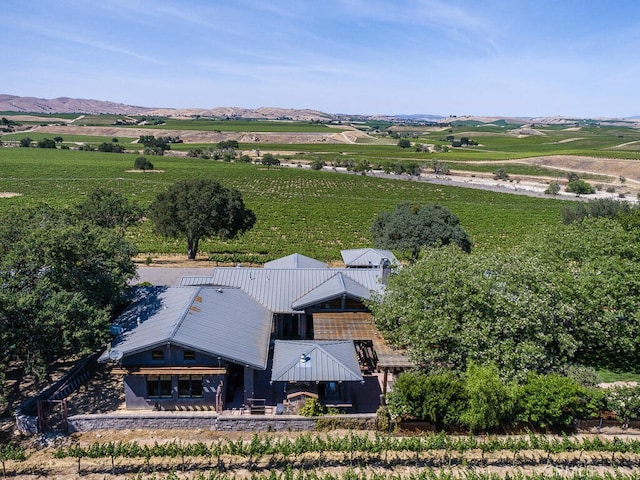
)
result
[(157, 355), (159, 386), (190, 386), (189, 355)]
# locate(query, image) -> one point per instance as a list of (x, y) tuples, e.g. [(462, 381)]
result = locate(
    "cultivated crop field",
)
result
[(331, 456), (298, 210), (320, 213)]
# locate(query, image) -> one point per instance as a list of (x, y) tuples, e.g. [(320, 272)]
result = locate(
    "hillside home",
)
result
[(292, 329)]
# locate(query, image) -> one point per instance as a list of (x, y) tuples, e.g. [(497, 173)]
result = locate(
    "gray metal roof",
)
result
[(223, 322), (277, 289), (367, 257), (296, 261), (336, 286), (315, 361)]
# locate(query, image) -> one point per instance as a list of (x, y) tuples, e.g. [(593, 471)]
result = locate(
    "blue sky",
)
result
[(476, 57)]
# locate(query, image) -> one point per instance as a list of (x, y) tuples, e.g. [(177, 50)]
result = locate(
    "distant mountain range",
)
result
[(13, 103)]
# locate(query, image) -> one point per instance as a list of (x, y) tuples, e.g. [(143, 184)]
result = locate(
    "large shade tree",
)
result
[(62, 279), (109, 209), (570, 296), (450, 308), (199, 209), (409, 227)]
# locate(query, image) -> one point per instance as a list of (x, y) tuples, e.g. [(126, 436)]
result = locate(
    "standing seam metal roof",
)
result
[(336, 286), (315, 361), (277, 289), (222, 322)]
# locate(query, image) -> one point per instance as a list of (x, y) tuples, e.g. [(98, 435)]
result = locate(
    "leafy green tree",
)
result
[(601, 207), (155, 146), (450, 308), (553, 188), (142, 163), (110, 147), (58, 139), (62, 279), (404, 143), (199, 209), (580, 187), (597, 278), (46, 143), (26, 142), (109, 209), (410, 227), (269, 160), (228, 144)]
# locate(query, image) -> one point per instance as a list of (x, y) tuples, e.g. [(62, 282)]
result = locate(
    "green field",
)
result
[(320, 213), (67, 139), (298, 210)]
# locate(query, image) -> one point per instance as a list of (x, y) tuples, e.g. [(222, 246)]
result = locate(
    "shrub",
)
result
[(553, 188), (489, 398), (625, 402), (501, 174), (438, 398), (580, 187), (440, 168), (552, 401), (585, 376), (143, 164), (312, 408), (317, 164), (383, 419)]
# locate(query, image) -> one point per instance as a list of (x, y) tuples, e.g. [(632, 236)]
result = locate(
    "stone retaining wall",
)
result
[(195, 420)]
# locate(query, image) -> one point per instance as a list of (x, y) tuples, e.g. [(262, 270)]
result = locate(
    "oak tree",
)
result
[(198, 209), (410, 227)]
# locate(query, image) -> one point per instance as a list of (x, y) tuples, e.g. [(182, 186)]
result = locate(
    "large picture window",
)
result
[(190, 386), (159, 386)]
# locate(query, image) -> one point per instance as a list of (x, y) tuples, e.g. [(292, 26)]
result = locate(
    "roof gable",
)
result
[(335, 287), (295, 261), (315, 361), (367, 257), (278, 289)]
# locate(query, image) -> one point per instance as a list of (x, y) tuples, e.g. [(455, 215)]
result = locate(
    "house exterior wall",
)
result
[(137, 398), (171, 355), (136, 389)]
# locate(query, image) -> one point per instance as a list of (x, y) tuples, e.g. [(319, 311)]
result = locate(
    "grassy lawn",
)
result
[(607, 376)]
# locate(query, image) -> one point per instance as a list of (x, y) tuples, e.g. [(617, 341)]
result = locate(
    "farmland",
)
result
[(318, 213), (298, 210), (332, 455)]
